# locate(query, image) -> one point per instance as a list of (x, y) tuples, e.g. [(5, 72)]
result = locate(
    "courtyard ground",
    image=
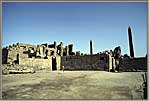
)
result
[(73, 85)]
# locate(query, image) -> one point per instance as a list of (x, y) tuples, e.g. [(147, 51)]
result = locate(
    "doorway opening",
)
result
[(54, 67)]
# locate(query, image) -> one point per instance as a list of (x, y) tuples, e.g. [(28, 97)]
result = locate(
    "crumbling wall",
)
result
[(133, 64), (35, 62), (88, 62), (9, 55)]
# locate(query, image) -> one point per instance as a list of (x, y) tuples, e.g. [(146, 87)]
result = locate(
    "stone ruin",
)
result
[(53, 56), (13, 54), (41, 56)]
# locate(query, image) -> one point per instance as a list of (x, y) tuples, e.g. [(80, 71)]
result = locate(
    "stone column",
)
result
[(67, 49), (110, 62), (113, 64), (44, 51), (61, 49), (91, 48), (38, 51), (54, 44), (61, 54), (41, 51), (70, 49), (117, 64), (130, 42)]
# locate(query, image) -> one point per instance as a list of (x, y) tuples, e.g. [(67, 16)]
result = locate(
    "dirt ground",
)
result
[(73, 85)]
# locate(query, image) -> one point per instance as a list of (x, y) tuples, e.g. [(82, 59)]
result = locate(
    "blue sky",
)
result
[(77, 23)]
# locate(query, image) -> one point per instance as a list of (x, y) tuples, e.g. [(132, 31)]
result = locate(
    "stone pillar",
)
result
[(130, 42), (61, 54), (61, 49), (41, 51), (110, 62), (67, 49), (44, 51), (113, 64), (91, 48), (70, 49), (117, 64), (54, 44), (38, 51)]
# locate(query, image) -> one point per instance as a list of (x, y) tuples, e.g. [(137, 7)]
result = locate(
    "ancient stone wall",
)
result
[(87, 62), (133, 64), (26, 54), (45, 63), (100, 62), (38, 62)]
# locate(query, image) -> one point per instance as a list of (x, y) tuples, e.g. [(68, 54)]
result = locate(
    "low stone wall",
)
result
[(133, 64), (88, 62)]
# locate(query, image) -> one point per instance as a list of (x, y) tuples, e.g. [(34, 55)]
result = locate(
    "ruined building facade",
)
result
[(48, 56), (53, 56)]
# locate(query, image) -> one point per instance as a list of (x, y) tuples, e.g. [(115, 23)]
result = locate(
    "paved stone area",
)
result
[(73, 85)]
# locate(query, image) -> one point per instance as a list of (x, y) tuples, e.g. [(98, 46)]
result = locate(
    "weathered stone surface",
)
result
[(32, 55), (88, 62), (133, 64)]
